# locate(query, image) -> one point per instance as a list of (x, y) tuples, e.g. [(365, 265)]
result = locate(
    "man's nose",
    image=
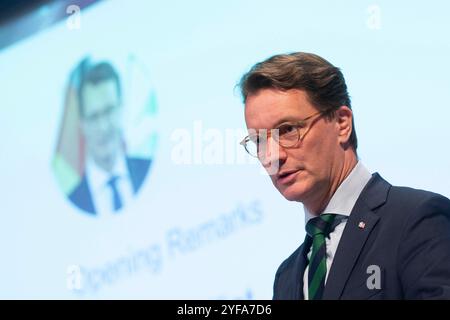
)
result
[(104, 124), (274, 156)]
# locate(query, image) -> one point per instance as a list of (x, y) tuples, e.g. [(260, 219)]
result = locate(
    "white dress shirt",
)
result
[(342, 203), (101, 191)]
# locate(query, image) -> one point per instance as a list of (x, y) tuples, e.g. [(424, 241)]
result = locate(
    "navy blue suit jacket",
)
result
[(406, 234), (81, 196)]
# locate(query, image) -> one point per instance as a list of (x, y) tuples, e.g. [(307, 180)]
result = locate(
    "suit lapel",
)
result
[(302, 262), (354, 236)]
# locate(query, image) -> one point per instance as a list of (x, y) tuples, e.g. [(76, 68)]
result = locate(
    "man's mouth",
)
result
[(287, 176)]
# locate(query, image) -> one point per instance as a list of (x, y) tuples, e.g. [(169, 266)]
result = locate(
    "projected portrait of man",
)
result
[(107, 176)]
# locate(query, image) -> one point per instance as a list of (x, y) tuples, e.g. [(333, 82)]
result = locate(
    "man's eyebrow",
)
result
[(287, 119), (281, 121), (284, 120)]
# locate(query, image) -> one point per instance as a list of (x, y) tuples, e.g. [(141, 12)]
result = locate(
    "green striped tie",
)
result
[(318, 228)]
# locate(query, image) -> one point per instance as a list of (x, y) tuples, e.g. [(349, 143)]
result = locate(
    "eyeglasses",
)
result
[(287, 135), (106, 113)]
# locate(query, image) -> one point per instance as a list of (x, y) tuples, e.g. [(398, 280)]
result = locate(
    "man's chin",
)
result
[(292, 194), (105, 161)]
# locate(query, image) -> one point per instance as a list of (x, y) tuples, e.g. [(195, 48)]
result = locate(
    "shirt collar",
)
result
[(344, 199), (98, 178)]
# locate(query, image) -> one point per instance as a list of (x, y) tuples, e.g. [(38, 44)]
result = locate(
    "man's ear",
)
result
[(344, 117)]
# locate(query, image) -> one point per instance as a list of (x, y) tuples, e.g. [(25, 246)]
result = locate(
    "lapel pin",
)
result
[(361, 225)]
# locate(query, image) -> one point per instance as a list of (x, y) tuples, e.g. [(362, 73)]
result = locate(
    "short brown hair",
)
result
[(94, 74), (324, 83)]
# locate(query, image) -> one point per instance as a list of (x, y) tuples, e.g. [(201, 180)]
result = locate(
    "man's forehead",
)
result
[(270, 107)]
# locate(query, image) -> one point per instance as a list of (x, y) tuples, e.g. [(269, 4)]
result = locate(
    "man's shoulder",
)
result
[(288, 276), (137, 168), (137, 163), (406, 204), (289, 262), (409, 197), (81, 196), (394, 196)]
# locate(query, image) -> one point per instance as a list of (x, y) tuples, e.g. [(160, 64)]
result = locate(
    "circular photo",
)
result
[(107, 135)]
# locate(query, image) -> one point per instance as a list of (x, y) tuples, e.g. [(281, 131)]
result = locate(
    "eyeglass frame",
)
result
[(296, 124)]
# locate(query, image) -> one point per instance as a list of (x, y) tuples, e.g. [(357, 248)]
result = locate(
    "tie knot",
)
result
[(322, 224), (112, 181)]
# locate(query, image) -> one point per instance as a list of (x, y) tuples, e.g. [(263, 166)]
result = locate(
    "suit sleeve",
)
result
[(424, 251)]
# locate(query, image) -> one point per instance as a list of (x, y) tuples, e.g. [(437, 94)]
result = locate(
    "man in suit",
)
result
[(111, 177), (365, 238)]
